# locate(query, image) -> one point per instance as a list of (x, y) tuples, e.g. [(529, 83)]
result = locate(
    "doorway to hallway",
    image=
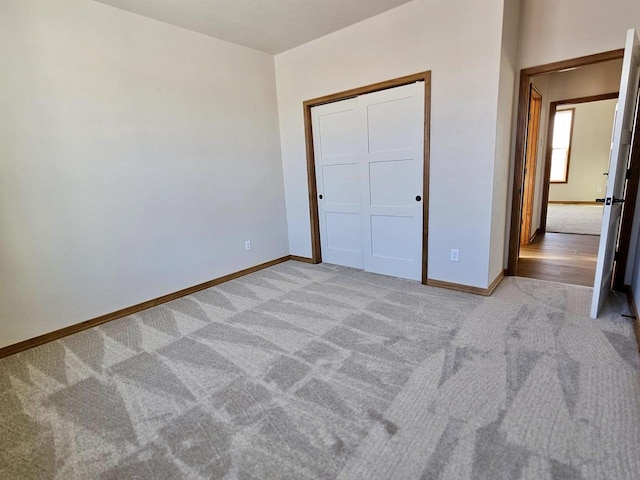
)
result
[(569, 84)]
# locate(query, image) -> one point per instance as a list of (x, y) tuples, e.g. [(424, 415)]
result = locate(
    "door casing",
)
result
[(521, 132), (316, 249)]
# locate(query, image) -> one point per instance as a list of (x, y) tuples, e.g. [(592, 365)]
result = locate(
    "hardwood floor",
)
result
[(560, 257)]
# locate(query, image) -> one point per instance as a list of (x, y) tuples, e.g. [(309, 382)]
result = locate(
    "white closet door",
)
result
[(391, 142), (338, 182)]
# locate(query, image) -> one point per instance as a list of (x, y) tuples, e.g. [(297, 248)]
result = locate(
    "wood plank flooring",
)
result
[(560, 257)]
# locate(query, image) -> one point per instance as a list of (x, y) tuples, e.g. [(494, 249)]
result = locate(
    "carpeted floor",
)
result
[(574, 218), (321, 372)]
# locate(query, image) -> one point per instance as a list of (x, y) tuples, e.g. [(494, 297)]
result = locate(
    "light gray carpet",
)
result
[(574, 218), (321, 372)]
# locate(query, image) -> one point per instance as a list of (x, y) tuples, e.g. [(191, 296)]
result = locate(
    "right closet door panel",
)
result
[(390, 153)]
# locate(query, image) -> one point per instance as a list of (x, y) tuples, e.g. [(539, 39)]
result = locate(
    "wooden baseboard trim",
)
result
[(496, 281), (573, 202), (535, 234), (468, 288), (634, 312), (94, 322), (302, 259)]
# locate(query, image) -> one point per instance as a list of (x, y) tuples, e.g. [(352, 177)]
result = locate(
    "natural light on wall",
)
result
[(562, 126)]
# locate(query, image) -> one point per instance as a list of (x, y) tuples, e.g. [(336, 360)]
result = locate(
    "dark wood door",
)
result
[(533, 130)]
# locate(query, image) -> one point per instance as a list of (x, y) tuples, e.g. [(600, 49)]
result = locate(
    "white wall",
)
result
[(553, 30), (590, 148), (595, 79), (507, 88), (136, 158), (460, 42)]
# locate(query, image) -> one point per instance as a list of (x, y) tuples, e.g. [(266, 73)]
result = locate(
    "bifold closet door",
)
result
[(369, 176), (391, 124), (335, 143)]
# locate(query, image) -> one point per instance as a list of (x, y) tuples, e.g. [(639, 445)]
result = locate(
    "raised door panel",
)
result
[(391, 152), (338, 182)]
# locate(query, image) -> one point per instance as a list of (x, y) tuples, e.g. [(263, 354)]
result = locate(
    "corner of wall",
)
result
[(508, 77)]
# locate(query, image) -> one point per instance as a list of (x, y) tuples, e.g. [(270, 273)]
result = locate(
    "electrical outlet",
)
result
[(455, 255), (247, 245)]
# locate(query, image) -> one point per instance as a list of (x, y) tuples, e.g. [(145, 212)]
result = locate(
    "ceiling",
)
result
[(271, 26)]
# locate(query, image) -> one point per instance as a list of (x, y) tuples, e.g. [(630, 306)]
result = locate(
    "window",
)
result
[(561, 147)]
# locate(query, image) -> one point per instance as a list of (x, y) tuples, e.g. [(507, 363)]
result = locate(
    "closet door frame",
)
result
[(316, 249)]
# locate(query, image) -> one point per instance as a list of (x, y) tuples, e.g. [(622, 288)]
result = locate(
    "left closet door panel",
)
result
[(335, 143)]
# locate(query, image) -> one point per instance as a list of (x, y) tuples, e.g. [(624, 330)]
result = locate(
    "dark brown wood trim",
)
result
[(521, 132), (589, 99), (468, 288), (547, 169), (316, 250), (518, 174), (535, 234), (301, 259), (634, 312), (572, 202), (374, 87), (425, 181), (94, 322), (531, 154), (628, 210), (574, 62), (536, 90), (496, 281)]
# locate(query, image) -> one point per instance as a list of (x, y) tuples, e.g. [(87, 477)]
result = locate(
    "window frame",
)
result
[(568, 148)]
